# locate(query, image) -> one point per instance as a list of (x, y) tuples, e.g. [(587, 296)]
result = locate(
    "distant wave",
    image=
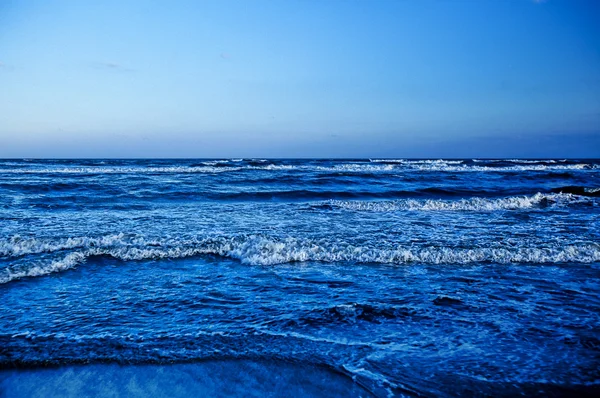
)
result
[(578, 190), (120, 170), (471, 204), (515, 168), (375, 166), (362, 200), (486, 164), (264, 250), (415, 161)]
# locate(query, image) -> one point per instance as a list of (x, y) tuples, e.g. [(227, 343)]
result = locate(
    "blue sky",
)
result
[(283, 78)]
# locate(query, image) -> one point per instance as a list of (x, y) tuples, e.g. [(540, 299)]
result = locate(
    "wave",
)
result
[(526, 161), (17, 246), (538, 200), (515, 168), (578, 190), (535, 161), (274, 167), (315, 199), (376, 166), (419, 161), (265, 251), (487, 164), (399, 165), (122, 170), (212, 163), (41, 268)]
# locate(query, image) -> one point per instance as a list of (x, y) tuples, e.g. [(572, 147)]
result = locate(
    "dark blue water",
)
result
[(402, 277)]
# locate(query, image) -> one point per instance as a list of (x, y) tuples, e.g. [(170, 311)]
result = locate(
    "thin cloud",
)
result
[(5, 66), (114, 66)]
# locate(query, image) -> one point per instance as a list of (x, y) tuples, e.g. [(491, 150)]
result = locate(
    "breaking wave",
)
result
[(471, 204), (374, 165), (265, 251), (122, 170)]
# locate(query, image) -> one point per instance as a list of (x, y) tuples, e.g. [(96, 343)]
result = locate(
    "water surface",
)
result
[(399, 277)]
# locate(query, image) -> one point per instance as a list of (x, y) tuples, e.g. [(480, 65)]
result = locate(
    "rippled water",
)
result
[(410, 277)]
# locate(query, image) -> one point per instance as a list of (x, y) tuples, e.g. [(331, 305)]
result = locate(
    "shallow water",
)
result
[(225, 378), (434, 278)]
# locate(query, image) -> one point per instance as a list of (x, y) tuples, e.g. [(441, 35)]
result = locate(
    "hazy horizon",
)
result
[(300, 79)]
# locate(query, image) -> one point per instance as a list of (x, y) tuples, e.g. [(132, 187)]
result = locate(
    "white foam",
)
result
[(529, 161), (121, 170), (262, 250), (214, 162), (273, 167), (376, 165), (424, 161), (18, 246), (207, 167), (39, 269), (356, 167), (529, 167), (470, 204)]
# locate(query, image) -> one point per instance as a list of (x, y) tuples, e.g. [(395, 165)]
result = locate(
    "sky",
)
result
[(285, 78)]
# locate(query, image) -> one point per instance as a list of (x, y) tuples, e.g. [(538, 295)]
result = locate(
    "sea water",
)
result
[(350, 277)]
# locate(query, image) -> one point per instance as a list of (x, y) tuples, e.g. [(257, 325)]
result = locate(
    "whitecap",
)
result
[(268, 251), (468, 204)]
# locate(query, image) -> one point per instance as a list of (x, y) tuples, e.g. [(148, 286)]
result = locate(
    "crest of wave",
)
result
[(122, 170), (469, 204), (266, 250), (423, 161)]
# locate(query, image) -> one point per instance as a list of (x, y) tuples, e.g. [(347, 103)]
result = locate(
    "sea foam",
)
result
[(375, 165), (470, 204), (267, 251)]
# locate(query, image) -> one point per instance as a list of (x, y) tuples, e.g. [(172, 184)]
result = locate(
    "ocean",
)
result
[(353, 277)]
